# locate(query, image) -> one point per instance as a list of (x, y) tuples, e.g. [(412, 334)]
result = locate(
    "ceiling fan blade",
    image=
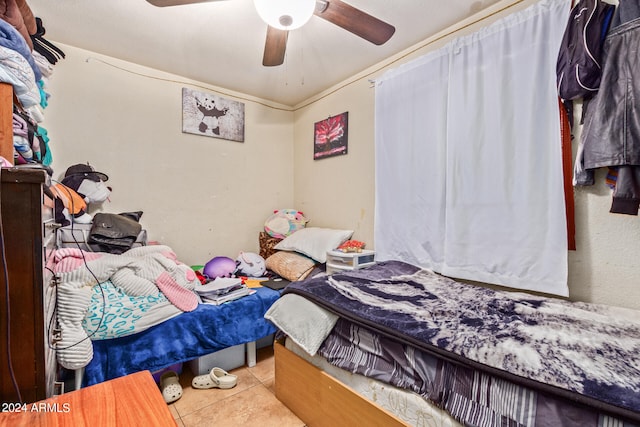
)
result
[(275, 47), (354, 20), (164, 3)]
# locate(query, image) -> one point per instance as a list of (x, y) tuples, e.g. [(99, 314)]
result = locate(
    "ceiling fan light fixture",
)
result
[(285, 14)]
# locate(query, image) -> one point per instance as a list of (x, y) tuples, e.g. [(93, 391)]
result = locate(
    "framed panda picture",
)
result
[(211, 115)]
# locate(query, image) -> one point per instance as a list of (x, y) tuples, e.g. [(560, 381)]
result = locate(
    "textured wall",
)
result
[(202, 196)]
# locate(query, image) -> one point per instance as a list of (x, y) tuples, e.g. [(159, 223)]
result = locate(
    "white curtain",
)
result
[(468, 156)]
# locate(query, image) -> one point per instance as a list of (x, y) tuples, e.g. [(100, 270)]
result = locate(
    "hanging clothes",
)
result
[(19, 15), (611, 133)]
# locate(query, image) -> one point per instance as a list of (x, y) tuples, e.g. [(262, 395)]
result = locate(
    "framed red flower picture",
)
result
[(330, 136)]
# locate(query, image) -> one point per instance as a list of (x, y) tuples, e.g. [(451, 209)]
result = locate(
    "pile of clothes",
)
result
[(26, 62)]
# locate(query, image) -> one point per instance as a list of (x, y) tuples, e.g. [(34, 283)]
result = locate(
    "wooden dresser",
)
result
[(28, 229), (132, 400)]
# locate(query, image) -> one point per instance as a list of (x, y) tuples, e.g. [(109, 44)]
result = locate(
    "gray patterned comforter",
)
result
[(587, 353)]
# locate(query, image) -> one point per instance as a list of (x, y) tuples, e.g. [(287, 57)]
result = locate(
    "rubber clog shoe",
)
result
[(170, 387), (216, 378)]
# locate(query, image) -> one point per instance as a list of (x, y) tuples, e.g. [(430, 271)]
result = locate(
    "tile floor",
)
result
[(250, 403)]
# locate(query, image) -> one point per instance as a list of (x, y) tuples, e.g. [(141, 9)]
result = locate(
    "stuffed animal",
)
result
[(284, 222), (250, 264), (81, 186), (220, 266)]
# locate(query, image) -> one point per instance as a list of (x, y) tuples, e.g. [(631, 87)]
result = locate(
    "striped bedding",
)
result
[(490, 358), (470, 396)]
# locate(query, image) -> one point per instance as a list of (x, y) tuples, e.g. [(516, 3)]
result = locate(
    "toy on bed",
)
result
[(220, 266), (246, 264), (81, 186), (250, 264), (284, 222)]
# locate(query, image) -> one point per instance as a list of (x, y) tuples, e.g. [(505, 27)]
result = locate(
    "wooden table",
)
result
[(133, 400)]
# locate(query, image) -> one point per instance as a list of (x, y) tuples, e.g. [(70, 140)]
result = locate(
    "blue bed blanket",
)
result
[(587, 353), (207, 329)]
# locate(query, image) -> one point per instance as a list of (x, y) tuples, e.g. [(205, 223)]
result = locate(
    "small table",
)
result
[(132, 400)]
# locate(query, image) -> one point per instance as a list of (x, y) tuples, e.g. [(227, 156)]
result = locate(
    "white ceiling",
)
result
[(221, 42)]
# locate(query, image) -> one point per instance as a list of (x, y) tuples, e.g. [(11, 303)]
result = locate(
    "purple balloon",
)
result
[(220, 266)]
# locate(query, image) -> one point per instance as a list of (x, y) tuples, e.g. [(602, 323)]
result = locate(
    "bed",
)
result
[(119, 314), (473, 356)]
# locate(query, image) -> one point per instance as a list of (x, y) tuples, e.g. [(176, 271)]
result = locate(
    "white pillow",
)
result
[(306, 323), (314, 242)]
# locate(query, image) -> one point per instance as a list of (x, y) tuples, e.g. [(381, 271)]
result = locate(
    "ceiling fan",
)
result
[(281, 21)]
